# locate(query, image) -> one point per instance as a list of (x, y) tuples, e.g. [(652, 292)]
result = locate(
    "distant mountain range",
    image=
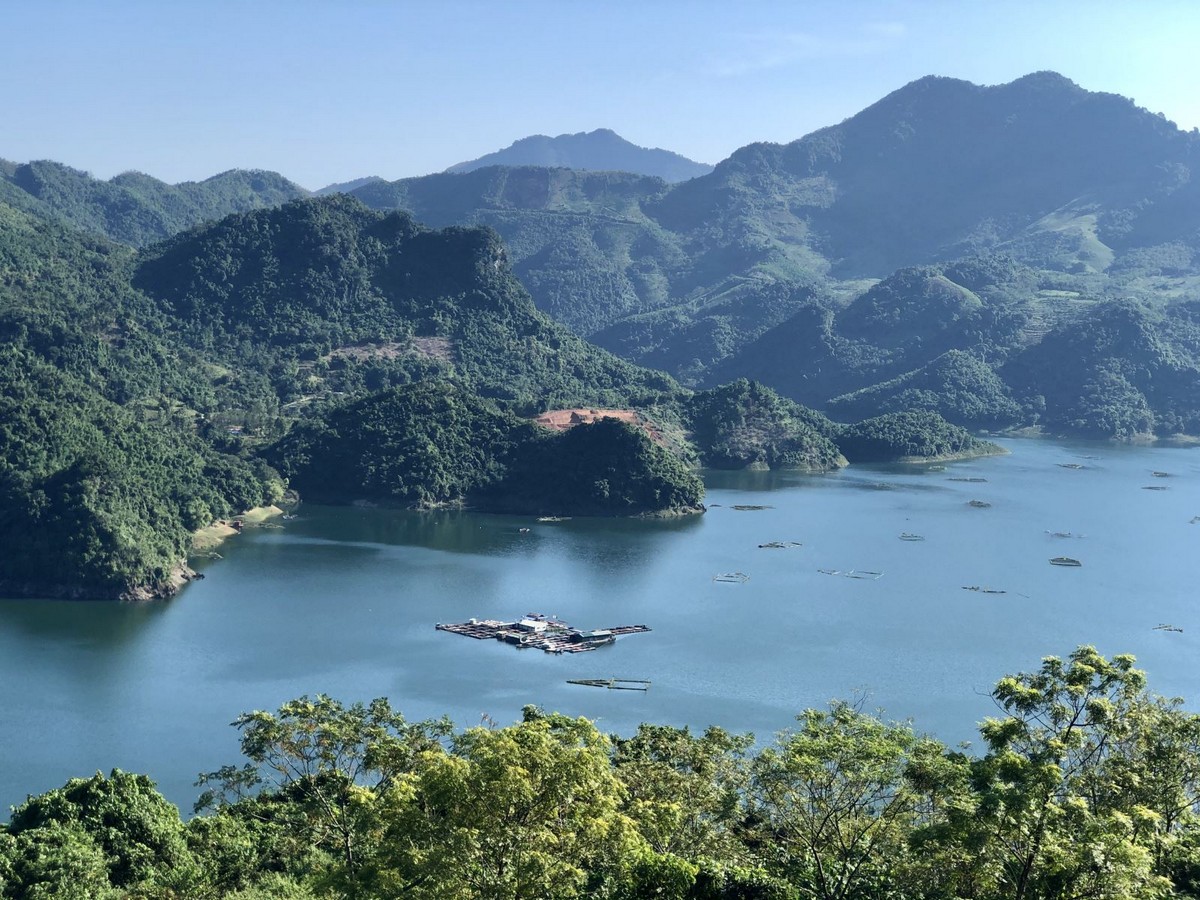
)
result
[(933, 245), (602, 150)]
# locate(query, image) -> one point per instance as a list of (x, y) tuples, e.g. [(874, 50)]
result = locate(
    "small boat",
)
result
[(1071, 466), (1065, 561), (1165, 627), (978, 504), (523, 530), (969, 480), (983, 590), (1161, 474), (909, 536), (1155, 487), (779, 545)]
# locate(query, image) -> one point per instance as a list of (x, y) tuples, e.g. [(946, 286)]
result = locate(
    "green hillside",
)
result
[(139, 388), (137, 209)]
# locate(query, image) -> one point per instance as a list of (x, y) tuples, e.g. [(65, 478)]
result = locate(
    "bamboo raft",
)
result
[(540, 632)]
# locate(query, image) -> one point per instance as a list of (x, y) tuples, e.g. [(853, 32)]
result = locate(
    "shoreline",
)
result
[(996, 450), (205, 540)]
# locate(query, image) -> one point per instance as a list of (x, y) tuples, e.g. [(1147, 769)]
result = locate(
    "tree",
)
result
[(528, 812), (114, 831), (686, 793), (837, 799), (324, 763), (1054, 799)]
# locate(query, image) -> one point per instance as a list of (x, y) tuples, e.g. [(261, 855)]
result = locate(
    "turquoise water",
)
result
[(344, 600)]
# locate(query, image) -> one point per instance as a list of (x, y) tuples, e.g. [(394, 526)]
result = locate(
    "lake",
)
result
[(344, 601)]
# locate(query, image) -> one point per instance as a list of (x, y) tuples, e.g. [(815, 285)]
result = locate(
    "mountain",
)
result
[(133, 208), (822, 267), (345, 187), (601, 150)]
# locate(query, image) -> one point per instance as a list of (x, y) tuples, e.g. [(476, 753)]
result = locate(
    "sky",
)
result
[(330, 91)]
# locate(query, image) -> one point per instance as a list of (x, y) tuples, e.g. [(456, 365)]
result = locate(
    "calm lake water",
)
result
[(344, 600)]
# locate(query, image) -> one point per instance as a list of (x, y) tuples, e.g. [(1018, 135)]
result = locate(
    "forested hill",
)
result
[(107, 462), (602, 150), (133, 208), (327, 295), (137, 390)]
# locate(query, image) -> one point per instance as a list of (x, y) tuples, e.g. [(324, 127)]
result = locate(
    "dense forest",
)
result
[(1085, 784), (350, 352)]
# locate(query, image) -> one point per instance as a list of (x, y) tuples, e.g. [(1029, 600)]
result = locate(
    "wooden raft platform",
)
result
[(539, 631)]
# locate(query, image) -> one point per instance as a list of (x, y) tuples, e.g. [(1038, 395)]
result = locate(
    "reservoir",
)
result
[(344, 601)]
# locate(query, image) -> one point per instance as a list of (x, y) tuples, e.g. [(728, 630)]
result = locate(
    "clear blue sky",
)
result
[(329, 91)]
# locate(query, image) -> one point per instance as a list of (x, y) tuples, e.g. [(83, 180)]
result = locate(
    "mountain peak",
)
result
[(600, 150)]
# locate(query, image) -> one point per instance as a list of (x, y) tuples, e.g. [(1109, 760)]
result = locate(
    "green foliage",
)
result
[(433, 443), (908, 435), (1047, 788), (100, 499), (743, 424), (119, 828), (1135, 369), (604, 468), (420, 444), (957, 386), (330, 281), (1087, 786), (130, 412)]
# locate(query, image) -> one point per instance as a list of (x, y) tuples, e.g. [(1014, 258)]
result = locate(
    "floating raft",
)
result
[(613, 684), (540, 632), (731, 577), (853, 573)]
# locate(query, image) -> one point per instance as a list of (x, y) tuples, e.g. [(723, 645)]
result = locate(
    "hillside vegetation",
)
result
[(139, 390)]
